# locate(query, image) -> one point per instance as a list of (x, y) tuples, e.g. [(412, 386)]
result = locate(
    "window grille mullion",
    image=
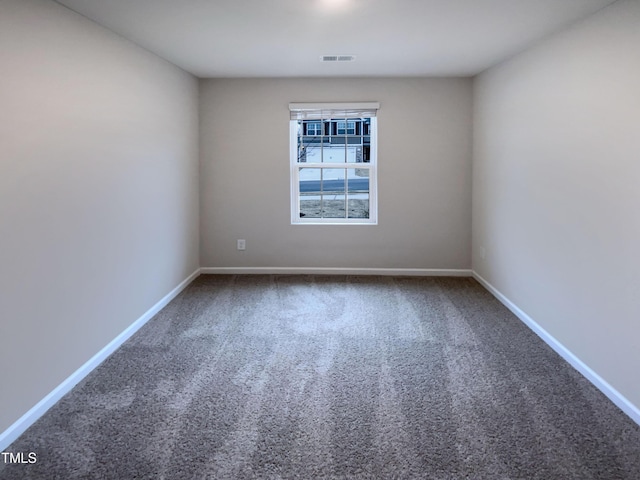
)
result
[(321, 192), (346, 171), (322, 138)]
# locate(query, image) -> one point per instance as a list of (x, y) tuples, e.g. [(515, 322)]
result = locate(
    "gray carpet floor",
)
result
[(277, 377)]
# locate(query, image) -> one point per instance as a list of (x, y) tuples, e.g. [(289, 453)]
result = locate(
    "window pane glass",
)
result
[(334, 153), (335, 141), (354, 153), (310, 196), (322, 192), (358, 193), (313, 151), (309, 143), (351, 128), (315, 128), (333, 194), (346, 127)]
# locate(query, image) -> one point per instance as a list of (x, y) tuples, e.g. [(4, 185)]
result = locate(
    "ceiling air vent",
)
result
[(337, 58)]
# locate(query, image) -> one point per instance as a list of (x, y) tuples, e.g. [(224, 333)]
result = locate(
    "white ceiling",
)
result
[(282, 38)]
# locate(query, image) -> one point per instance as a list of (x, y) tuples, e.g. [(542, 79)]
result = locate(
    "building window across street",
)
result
[(314, 128), (346, 128), (333, 163)]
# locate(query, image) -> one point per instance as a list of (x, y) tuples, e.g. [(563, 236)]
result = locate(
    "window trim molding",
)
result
[(305, 108)]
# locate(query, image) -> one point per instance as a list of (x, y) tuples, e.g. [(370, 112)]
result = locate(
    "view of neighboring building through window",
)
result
[(333, 166), (346, 128), (314, 128)]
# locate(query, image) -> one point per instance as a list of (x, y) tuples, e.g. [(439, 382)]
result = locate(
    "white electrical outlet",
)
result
[(482, 252), (242, 244)]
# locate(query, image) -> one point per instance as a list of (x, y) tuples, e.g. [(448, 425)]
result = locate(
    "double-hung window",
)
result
[(333, 150)]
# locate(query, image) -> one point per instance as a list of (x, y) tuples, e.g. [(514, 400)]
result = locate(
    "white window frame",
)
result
[(335, 111)]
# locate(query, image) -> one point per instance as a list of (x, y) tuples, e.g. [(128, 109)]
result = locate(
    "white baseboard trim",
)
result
[(601, 384), (19, 426), (399, 272)]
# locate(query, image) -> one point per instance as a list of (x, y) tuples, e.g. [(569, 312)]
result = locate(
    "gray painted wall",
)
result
[(556, 188), (98, 192), (424, 175)]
